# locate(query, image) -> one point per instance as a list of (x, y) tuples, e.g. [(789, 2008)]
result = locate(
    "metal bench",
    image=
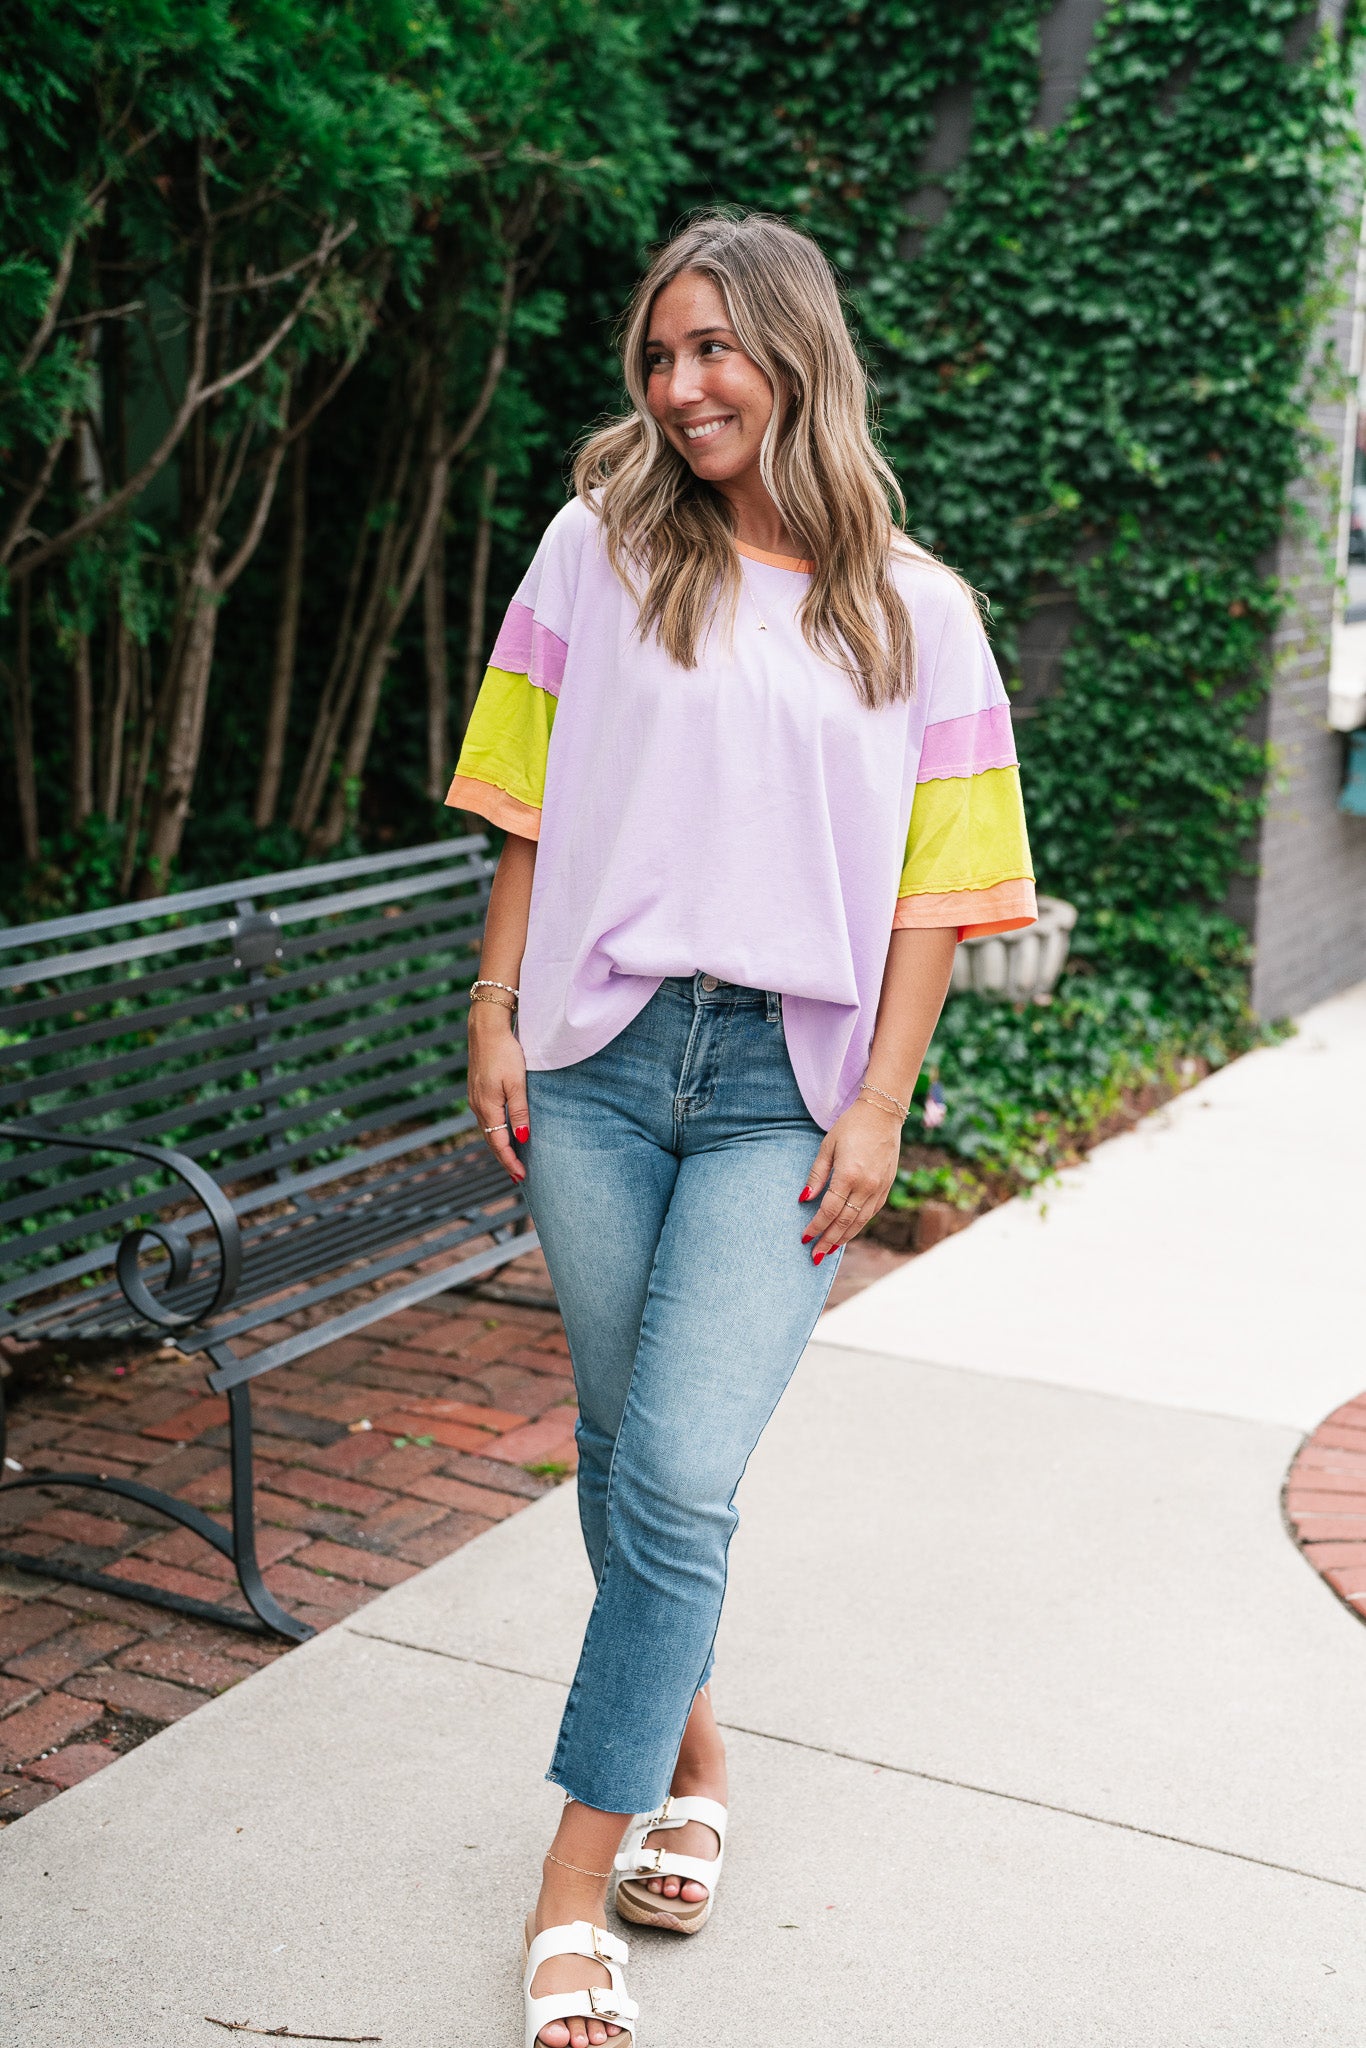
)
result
[(237, 1105)]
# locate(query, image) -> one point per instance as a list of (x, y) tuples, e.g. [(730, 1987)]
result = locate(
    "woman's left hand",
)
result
[(859, 1159)]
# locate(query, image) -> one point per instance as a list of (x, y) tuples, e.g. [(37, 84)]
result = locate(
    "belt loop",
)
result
[(772, 1006)]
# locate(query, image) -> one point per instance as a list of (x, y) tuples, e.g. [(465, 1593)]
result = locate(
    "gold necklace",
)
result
[(763, 623)]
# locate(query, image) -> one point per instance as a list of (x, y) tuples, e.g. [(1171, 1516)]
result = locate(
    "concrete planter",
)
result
[(1021, 966)]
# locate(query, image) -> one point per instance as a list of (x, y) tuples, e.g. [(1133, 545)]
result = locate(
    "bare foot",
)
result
[(694, 1838), (700, 1774), (565, 1898)]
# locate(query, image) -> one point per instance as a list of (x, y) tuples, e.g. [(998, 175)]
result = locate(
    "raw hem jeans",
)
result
[(664, 1175)]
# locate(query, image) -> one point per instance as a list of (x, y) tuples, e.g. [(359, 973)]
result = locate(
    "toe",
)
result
[(656, 1884), (693, 1893), (597, 2033), (554, 2035)]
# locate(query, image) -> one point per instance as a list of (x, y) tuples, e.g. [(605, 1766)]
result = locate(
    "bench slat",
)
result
[(307, 1183), (396, 1298), (334, 938), (25, 972), (474, 845), (162, 1016), (466, 1195), (229, 1170), (290, 1057)]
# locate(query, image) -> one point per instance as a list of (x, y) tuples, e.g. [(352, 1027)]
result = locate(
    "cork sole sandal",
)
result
[(637, 1865), (594, 2002)]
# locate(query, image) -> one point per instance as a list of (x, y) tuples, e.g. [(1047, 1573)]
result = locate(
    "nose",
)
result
[(684, 385)]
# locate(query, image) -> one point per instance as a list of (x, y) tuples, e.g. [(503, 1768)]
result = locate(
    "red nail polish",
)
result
[(816, 1258), (522, 1133), (805, 1195)]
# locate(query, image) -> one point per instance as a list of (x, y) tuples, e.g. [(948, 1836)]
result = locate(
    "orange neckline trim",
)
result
[(743, 547)]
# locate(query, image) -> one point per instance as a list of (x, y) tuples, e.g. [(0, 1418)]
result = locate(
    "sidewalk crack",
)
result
[(850, 1756), (1099, 1820)]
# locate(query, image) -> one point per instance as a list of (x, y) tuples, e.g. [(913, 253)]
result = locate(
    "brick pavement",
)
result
[(376, 1457), (1325, 1502)]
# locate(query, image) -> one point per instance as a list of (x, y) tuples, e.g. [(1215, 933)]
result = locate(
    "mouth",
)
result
[(705, 429)]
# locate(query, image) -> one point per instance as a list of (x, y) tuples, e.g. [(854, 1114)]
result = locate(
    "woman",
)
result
[(722, 682)]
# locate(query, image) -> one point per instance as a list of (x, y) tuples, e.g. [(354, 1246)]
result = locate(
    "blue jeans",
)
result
[(664, 1175)]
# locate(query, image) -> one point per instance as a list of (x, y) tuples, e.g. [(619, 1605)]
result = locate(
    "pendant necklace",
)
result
[(763, 623)]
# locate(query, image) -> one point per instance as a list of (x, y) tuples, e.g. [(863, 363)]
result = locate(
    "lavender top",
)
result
[(748, 817)]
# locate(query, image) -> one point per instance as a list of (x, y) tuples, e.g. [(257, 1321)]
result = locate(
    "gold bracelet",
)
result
[(478, 996), (903, 1110)]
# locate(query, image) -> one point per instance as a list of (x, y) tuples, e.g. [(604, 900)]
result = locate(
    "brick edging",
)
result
[(1324, 1502)]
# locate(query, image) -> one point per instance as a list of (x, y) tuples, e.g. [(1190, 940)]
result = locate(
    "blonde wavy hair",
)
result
[(671, 531)]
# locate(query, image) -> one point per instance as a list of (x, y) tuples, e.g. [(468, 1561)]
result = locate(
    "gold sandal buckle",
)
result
[(604, 2004)]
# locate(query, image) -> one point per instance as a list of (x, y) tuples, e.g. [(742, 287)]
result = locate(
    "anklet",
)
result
[(577, 1868)]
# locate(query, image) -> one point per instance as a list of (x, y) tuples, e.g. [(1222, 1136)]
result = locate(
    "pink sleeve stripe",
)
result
[(967, 746), (525, 647)]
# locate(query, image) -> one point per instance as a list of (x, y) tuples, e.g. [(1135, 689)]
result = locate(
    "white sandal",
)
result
[(635, 1901), (595, 1945)]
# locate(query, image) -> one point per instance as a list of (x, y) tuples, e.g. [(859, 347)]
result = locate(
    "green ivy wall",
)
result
[(1089, 249)]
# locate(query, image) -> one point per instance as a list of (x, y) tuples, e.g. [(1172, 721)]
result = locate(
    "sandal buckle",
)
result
[(651, 1859), (604, 2004)]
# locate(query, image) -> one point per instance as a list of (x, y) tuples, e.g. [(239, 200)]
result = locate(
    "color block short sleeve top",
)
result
[(748, 817)]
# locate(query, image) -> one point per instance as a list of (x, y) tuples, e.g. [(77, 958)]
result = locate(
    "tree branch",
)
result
[(265, 497), (322, 255), (197, 395), (323, 400), (19, 525), (102, 313), (99, 514), (252, 283), (42, 333), (493, 370)]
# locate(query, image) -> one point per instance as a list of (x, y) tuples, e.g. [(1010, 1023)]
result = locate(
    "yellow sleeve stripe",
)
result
[(967, 832), (508, 738)]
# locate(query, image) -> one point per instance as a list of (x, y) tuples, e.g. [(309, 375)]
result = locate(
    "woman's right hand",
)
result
[(497, 1083)]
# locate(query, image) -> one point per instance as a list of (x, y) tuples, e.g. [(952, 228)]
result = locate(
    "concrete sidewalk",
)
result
[(1213, 1258), (1045, 1734)]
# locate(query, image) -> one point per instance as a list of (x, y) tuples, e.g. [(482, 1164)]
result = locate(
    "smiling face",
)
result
[(711, 400)]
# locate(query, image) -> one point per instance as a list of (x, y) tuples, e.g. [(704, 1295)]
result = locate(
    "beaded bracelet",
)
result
[(507, 985)]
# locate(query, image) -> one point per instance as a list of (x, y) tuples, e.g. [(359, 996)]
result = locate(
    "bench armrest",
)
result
[(173, 1240)]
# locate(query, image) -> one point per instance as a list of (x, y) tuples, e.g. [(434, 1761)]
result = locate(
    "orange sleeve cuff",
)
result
[(973, 913), (485, 798)]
